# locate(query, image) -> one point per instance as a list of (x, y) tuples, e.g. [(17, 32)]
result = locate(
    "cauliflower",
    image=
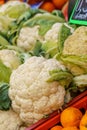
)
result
[(55, 37), (76, 44), (9, 58), (28, 37), (9, 4), (74, 54), (13, 9), (52, 34), (10, 120), (32, 96)]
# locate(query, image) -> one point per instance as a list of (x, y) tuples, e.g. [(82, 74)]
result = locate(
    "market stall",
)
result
[(43, 64)]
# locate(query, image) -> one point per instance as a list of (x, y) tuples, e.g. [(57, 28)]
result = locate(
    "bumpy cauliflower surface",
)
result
[(52, 34), (32, 96), (9, 120), (10, 58), (28, 37), (76, 44)]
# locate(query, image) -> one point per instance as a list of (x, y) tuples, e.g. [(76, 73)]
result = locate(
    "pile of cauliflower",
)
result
[(39, 68)]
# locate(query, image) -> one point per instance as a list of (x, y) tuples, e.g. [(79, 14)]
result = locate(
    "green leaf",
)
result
[(23, 57), (62, 36), (5, 102), (76, 64), (64, 77), (58, 13), (37, 49), (16, 10), (45, 21), (3, 41), (5, 73), (50, 48)]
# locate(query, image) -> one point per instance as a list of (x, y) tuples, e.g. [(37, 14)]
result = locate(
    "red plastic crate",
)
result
[(44, 124)]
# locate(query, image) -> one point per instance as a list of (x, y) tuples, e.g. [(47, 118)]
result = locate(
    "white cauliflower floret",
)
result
[(52, 34), (9, 120), (32, 96), (9, 58), (76, 44), (28, 37), (11, 3)]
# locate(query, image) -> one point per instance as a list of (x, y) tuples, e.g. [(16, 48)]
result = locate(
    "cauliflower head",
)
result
[(10, 58), (32, 96), (52, 34), (28, 37), (10, 120), (76, 44), (13, 9)]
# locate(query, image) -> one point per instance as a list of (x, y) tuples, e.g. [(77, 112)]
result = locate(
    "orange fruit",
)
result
[(71, 116), (83, 122), (48, 6), (59, 3), (70, 128), (57, 127)]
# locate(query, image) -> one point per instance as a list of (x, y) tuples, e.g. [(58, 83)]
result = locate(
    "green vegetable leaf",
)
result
[(37, 49), (5, 73), (58, 13), (80, 81), (76, 64), (5, 102), (64, 77), (23, 57), (16, 10), (45, 21), (62, 35), (50, 48)]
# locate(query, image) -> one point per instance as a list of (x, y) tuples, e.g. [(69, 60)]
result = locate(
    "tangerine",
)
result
[(70, 128), (48, 6), (83, 122), (57, 127), (59, 3), (71, 116)]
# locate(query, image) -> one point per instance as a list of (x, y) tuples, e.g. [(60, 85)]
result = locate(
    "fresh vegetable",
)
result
[(13, 9), (45, 21), (74, 54), (32, 96), (40, 20), (27, 42), (76, 43), (10, 58), (55, 37), (10, 120), (62, 76), (5, 102), (80, 81), (5, 73)]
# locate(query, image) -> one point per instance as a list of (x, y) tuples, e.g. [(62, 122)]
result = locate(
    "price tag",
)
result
[(79, 14)]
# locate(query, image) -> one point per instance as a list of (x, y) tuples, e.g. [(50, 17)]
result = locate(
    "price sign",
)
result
[(79, 14)]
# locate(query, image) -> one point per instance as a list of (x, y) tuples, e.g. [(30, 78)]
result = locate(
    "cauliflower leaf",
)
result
[(5, 101), (5, 73)]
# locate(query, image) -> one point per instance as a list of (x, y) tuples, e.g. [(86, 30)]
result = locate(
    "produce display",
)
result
[(77, 120), (43, 63)]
